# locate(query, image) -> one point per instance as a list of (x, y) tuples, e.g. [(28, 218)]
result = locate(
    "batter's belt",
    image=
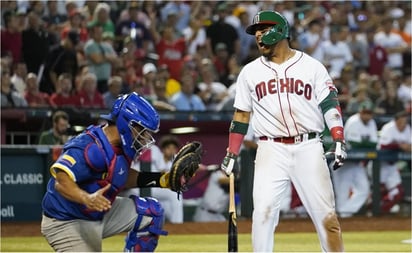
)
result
[(291, 139)]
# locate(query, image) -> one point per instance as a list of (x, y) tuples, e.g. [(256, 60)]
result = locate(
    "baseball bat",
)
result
[(232, 231)]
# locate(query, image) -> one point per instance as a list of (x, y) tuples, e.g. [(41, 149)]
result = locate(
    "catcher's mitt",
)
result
[(184, 166)]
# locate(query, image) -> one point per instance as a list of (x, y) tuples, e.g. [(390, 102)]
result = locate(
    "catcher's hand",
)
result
[(184, 166), (338, 149)]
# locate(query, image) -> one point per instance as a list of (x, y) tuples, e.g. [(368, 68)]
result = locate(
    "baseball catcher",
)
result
[(82, 197)]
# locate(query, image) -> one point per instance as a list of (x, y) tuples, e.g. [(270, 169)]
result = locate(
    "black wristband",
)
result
[(148, 179)]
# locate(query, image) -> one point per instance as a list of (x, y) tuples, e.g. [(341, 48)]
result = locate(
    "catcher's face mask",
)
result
[(142, 138)]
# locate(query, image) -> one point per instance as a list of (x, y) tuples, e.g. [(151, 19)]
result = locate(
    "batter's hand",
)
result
[(97, 201), (228, 163), (339, 151)]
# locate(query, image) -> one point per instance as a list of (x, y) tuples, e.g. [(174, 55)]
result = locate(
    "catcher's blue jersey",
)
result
[(91, 161)]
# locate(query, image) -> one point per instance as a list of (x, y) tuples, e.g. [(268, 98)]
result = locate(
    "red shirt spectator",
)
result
[(63, 95), (378, 56), (33, 96), (89, 96), (172, 54), (171, 49), (11, 39), (75, 23)]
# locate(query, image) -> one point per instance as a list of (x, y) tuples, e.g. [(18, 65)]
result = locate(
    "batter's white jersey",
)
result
[(274, 93)]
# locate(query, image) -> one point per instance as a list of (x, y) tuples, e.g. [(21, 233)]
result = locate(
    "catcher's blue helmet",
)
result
[(128, 112)]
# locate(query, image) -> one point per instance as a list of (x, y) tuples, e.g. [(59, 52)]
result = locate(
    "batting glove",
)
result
[(228, 163), (339, 151)]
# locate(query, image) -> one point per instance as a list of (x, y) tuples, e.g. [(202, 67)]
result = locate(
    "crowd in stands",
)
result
[(185, 55)]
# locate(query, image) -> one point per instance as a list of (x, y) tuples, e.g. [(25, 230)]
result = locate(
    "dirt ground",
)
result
[(383, 223)]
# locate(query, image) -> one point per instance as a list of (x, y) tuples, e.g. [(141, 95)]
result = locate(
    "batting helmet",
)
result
[(131, 110), (279, 30)]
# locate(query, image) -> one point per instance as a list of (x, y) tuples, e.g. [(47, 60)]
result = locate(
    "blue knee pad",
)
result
[(145, 239)]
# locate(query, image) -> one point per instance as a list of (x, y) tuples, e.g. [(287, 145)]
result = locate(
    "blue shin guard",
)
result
[(144, 239)]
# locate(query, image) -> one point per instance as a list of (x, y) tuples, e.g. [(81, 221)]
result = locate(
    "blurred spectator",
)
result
[(101, 17), (6, 8), (89, 96), (311, 39), (404, 30), (170, 48), (390, 103), (88, 9), (346, 85), (21, 20), (211, 91), (38, 7), (221, 64), (18, 78), (214, 202), (120, 71), (185, 99), (359, 50), (245, 40), (172, 85), (335, 53), (195, 35), (393, 44), (33, 96), (181, 10), (360, 95), (10, 97), (378, 56), (35, 44), (220, 31), (53, 20), (61, 59), (376, 89), (63, 96), (351, 182), (115, 89), (57, 135), (133, 28), (395, 136), (71, 5), (162, 158), (11, 39), (75, 23), (159, 99), (133, 60), (149, 77), (405, 92), (108, 38), (100, 57), (52, 17)]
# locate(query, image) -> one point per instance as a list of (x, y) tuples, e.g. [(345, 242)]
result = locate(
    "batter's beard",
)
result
[(269, 53)]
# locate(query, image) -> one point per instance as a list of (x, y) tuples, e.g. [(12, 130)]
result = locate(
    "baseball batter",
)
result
[(288, 96), (351, 182)]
